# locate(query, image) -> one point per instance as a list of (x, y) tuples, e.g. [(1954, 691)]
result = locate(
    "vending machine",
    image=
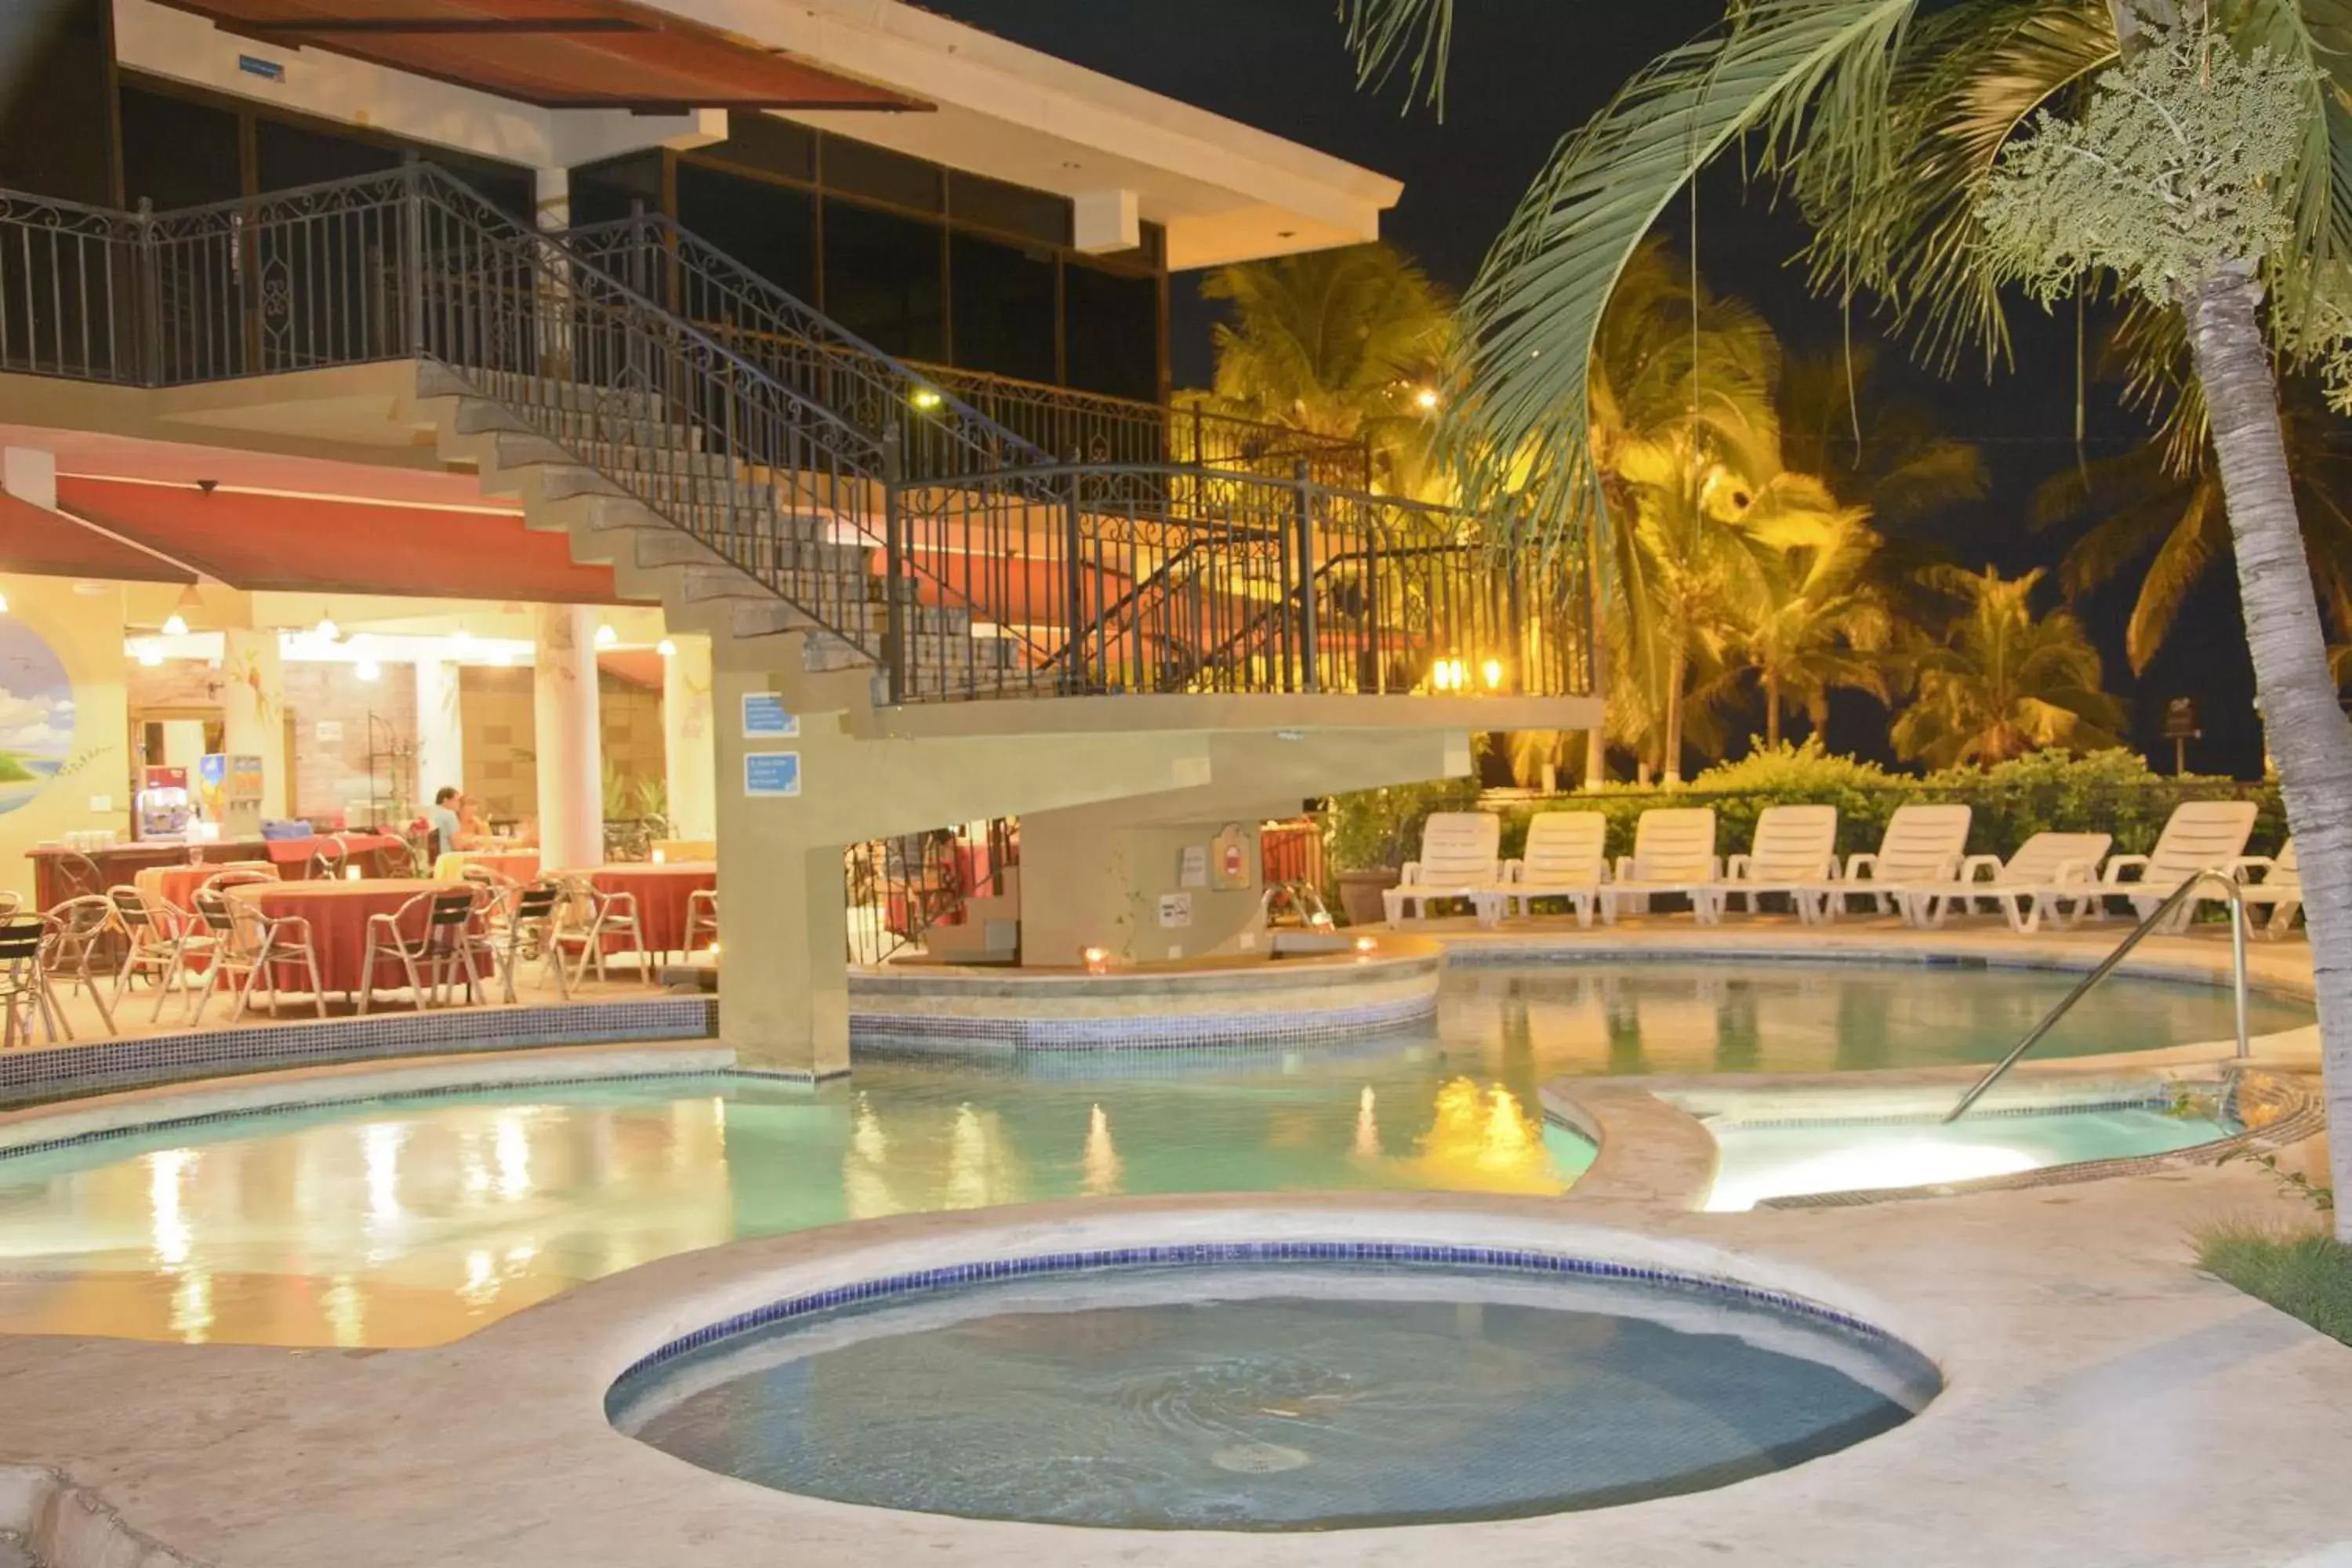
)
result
[(164, 804), (230, 790)]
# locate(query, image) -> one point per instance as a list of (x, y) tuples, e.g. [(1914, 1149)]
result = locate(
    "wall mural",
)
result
[(36, 714)]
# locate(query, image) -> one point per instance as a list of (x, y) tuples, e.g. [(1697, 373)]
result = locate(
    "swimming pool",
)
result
[(417, 1221)]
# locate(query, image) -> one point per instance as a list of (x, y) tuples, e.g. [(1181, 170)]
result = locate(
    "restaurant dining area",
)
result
[(236, 791)]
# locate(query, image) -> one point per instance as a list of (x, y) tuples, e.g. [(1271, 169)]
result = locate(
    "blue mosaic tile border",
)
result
[(1195, 1255), (344, 1102), (58, 1071), (1140, 1032)]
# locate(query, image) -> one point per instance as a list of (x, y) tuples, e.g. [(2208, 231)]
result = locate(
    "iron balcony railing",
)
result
[(898, 891), (1133, 578), (921, 535), (949, 420)]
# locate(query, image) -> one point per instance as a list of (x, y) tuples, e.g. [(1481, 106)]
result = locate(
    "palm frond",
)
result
[(1413, 36), (1536, 309)]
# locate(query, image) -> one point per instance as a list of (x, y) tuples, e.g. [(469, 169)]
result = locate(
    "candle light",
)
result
[(661, 856), (350, 873), (1096, 960)]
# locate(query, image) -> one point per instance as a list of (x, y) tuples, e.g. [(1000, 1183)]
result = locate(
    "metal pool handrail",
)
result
[(2172, 901)]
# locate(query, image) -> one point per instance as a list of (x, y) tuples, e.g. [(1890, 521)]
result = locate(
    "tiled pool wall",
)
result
[(56, 1072), (1204, 1255)]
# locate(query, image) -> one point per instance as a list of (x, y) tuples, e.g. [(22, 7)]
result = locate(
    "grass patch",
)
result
[(2306, 1274)]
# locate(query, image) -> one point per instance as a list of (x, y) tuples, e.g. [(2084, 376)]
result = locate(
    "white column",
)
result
[(252, 710), (30, 474), (552, 191), (440, 730), (688, 756), (565, 725)]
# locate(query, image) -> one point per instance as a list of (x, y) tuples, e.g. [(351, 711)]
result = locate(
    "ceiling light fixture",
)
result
[(175, 625), (667, 649), (326, 630), (606, 636)]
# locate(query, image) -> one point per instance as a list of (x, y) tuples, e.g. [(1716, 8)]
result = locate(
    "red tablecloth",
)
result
[(358, 847), (661, 892), (177, 885), (337, 913)]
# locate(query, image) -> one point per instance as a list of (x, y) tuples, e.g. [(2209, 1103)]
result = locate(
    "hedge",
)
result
[(2104, 792)]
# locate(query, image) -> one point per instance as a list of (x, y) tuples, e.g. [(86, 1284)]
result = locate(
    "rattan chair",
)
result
[(162, 939), (246, 942), (701, 918), (440, 924), (593, 919), (77, 946), (524, 926)]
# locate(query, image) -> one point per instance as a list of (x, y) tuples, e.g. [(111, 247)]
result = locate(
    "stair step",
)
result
[(542, 392), (482, 415)]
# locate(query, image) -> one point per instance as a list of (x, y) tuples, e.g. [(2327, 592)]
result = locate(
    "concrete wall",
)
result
[(73, 734)]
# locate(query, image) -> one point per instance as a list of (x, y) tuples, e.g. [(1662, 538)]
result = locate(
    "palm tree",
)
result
[(1347, 344), (1898, 127), (1819, 625), (2149, 515), (2003, 681)]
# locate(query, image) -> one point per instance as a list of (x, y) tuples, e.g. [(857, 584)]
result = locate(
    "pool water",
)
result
[(1753, 1164), (1264, 1397), (414, 1222)]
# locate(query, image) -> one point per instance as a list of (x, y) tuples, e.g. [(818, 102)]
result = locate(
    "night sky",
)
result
[(1524, 72)]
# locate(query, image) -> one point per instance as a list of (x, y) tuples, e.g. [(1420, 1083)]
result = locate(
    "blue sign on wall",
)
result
[(764, 717), (771, 774)]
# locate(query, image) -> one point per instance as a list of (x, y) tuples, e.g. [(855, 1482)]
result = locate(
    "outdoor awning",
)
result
[(556, 54), (304, 544), (43, 543)]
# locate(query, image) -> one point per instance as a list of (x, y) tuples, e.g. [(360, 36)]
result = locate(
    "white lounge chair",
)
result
[(2200, 836), (1460, 854), (1566, 858), (1921, 844), (2052, 877), (1674, 852), (1794, 849), (2280, 890)]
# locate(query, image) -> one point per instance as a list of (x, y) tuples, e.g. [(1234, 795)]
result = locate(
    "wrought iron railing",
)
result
[(1133, 578), (1003, 574), (899, 889), (949, 420)]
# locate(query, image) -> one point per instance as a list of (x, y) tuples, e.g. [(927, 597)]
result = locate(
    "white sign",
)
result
[(764, 717), (771, 774), (1194, 871), (1175, 910), (329, 731)]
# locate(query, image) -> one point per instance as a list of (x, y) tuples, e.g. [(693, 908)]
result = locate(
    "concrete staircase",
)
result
[(633, 487)]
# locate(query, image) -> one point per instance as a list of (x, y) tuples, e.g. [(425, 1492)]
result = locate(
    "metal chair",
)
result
[(701, 918), (161, 937), (595, 917), (245, 941), (328, 857), (77, 876), (23, 985), (78, 933), (441, 922), (10, 903), (524, 927)]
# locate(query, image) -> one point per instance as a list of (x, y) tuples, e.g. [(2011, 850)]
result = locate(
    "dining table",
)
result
[(177, 885), (338, 915), (662, 894), (513, 865)]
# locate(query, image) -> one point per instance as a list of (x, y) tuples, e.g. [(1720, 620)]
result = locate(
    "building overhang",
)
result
[(556, 54)]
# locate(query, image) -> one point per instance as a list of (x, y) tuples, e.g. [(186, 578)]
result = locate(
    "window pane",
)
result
[(53, 85), (768, 228), (882, 279), (177, 154), (1010, 210), (604, 192), (1113, 333), (772, 146), (856, 168), (1003, 298), (286, 156)]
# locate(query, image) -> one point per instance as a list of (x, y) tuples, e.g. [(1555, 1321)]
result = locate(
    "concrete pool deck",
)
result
[(2105, 1403)]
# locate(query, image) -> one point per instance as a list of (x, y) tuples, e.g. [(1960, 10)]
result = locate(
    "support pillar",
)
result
[(565, 726), (252, 710), (783, 990), (689, 756), (440, 730)]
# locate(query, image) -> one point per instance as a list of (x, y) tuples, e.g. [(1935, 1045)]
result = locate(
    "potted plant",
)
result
[(1368, 835)]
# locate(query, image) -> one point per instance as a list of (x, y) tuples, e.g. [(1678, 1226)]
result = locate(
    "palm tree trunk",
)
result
[(1772, 707), (1671, 731), (2306, 730), (1596, 741)]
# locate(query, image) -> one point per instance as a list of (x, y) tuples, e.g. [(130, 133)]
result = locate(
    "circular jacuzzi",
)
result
[(1282, 1386)]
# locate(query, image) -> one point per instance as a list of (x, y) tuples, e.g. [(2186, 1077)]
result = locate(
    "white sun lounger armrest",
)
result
[(2244, 868), (1514, 871), (2116, 865), (1858, 862), (1737, 867), (1410, 874), (1974, 863), (2081, 873), (1624, 868)]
